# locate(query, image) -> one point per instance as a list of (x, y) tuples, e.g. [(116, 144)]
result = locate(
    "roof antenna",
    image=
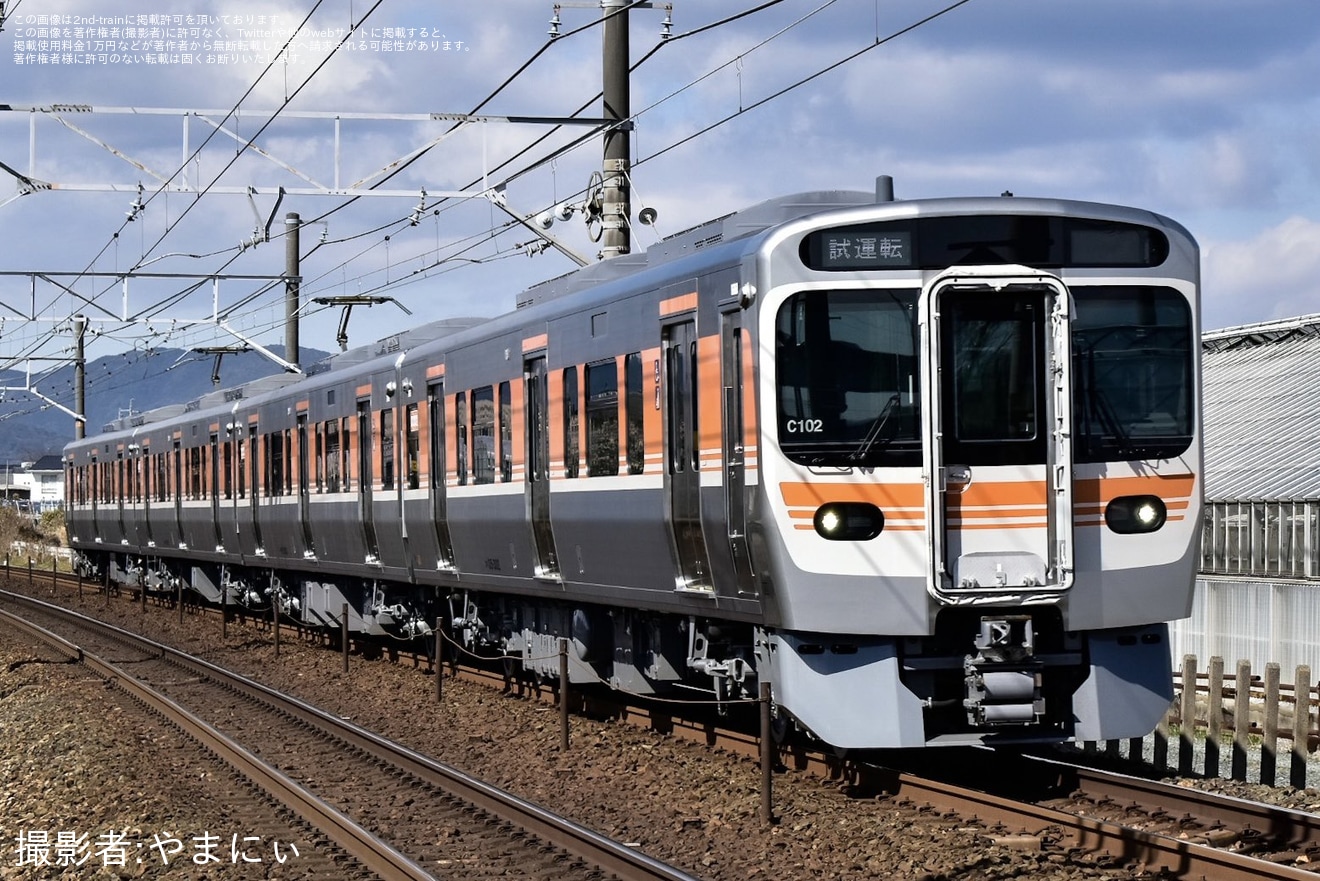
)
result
[(884, 188)]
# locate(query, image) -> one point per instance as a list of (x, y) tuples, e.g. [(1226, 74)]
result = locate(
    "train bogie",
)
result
[(930, 469)]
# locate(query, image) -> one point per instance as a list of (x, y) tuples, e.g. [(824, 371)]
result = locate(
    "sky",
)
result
[(1206, 112)]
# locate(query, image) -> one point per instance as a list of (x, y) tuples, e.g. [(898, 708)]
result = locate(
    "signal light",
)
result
[(1130, 515), (848, 521)]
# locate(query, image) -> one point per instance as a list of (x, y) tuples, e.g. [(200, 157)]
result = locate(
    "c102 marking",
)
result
[(804, 426)]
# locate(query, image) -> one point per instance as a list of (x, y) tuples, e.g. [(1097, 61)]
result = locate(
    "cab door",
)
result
[(997, 446)]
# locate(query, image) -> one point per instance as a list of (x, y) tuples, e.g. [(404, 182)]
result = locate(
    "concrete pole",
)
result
[(292, 281), (615, 198)]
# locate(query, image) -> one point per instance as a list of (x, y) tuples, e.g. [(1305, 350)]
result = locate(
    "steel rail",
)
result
[(1184, 859), (625, 863), (371, 852)]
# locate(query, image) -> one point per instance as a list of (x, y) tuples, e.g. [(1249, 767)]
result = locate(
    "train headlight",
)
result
[(1127, 515), (848, 521)]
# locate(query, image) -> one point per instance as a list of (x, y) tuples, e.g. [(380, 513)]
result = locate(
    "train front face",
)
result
[(982, 475)]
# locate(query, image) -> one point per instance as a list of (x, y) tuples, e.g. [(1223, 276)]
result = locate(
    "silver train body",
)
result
[(930, 468)]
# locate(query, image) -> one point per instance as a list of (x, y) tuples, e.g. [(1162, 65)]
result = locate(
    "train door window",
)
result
[(318, 477), (227, 454), (461, 436), (571, 429), (176, 475), (288, 462), (682, 363), (240, 465), (195, 473), (346, 445), (332, 456), (387, 448), (633, 419), (483, 435), (602, 419), (413, 452), (254, 465), (435, 447), (506, 433)]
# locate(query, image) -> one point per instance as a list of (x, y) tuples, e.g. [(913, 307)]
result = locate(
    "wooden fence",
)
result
[(1229, 729)]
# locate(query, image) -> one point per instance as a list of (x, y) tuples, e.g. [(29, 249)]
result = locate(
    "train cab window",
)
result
[(848, 378), (1133, 353), (413, 432), (572, 430), (633, 414), (387, 448), (483, 435), (602, 419), (506, 433)]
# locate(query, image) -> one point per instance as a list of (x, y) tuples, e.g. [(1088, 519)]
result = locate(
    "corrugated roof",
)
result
[(1262, 410)]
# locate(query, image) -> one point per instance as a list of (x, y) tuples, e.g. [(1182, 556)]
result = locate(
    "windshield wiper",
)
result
[(874, 431)]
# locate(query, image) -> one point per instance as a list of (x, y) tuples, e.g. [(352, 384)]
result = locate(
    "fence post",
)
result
[(1269, 750), (1214, 717), (1187, 715), (767, 756), (1301, 745), (439, 659), (563, 694), (1241, 719), (343, 633)]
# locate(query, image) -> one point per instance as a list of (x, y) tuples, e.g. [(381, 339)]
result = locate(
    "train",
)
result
[(930, 468)]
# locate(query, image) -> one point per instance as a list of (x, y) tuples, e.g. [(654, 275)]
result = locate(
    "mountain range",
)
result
[(117, 385)]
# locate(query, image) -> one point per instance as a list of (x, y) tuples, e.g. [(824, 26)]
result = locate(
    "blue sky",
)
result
[(1206, 112)]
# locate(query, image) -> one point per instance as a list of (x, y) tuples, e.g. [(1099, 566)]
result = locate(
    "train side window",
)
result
[(483, 435), (602, 419), (413, 427), (387, 448), (632, 377), (461, 432), (506, 433), (571, 428), (332, 461), (318, 432)]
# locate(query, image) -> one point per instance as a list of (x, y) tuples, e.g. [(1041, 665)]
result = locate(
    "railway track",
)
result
[(399, 813), (1083, 814)]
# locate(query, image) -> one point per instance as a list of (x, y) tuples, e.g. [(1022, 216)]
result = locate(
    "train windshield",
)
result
[(1133, 396), (848, 375)]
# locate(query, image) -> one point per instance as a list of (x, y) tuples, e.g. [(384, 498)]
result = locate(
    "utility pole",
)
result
[(615, 198), (80, 377), (293, 280)]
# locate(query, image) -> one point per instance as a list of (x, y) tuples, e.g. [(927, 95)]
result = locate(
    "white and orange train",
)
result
[(930, 468)]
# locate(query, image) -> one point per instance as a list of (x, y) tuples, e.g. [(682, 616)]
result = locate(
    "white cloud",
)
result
[(1270, 275)]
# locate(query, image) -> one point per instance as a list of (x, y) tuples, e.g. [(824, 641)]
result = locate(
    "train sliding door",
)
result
[(997, 390), (435, 401), (538, 467), (683, 456), (366, 474)]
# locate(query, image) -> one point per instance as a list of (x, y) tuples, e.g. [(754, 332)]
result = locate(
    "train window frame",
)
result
[(388, 460), (412, 446), (461, 438), (333, 455), (811, 432), (634, 413), (602, 412), (481, 402), (1163, 330), (505, 404), (572, 423)]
